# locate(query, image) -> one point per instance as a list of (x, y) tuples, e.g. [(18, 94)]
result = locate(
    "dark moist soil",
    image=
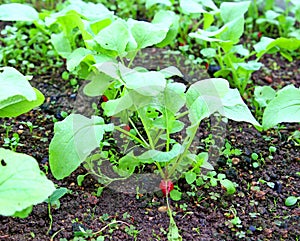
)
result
[(202, 213)]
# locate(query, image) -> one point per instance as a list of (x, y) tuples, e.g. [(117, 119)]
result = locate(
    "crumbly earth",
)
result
[(255, 212)]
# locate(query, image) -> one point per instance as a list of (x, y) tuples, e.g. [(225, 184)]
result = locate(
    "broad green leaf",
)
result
[(240, 49), (150, 3), (233, 10), (146, 83), (208, 52), (191, 6), (160, 156), (284, 107), (172, 99), (127, 165), (262, 45), (208, 96), (268, 44), (18, 12), (16, 94), (74, 139), (13, 83), (77, 56), (85, 55), (114, 107), (114, 37), (21, 105), (82, 8), (24, 213), (22, 183), (263, 95), (61, 44), (197, 6), (170, 72), (110, 69), (251, 65), (98, 84), (169, 20), (146, 34), (234, 30)]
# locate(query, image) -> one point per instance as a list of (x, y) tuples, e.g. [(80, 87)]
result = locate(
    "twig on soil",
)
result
[(106, 226), (57, 232)]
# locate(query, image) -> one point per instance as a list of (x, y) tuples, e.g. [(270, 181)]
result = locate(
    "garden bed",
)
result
[(265, 165), (202, 214)]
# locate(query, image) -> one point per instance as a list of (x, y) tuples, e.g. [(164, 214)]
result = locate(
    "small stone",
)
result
[(252, 228), (235, 160), (277, 187), (163, 209), (20, 132)]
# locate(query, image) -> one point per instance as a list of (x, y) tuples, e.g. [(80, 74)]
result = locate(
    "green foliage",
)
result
[(19, 173), (75, 138), (22, 184), (18, 12), (221, 45), (16, 94), (285, 103)]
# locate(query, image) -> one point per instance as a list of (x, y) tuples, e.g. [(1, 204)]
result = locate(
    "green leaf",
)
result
[(234, 30), (114, 107), (74, 139), (197, 6), (13, 83), (127, 165), (190, 177), (61, 44), (279, 44), (175, 195), (233, 10), (98, 84), (24, 213), (146, 34), (169, 20), (230, 188), (284, 107), (114, 37), (22, 184), (160, 156), (16, 94), (291, 200), (170, 72), (207, 35), (250, 66), (150, 3), (57, 194), (22, 105), (145, 83), (208, 52), (18, 12), (263, 95), (214, 95)]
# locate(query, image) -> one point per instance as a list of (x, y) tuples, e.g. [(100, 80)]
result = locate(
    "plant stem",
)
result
[(146, 130), (143, 143), (186, 144), (137, 131)]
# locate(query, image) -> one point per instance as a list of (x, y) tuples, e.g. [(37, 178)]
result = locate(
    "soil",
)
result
[(202, 213)]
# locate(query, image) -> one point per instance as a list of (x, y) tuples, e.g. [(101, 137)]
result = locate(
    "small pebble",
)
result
[(163, 209)]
